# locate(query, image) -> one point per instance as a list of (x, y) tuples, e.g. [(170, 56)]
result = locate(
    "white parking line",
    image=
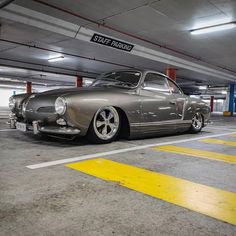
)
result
[(113, 152)]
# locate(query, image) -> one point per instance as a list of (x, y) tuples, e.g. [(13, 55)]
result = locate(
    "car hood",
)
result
[(41, 106), (84, 90)]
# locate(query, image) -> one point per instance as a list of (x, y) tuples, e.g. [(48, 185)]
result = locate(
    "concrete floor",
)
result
[(57, 200)]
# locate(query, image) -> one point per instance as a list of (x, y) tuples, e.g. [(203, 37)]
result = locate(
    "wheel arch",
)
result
[(124, 130), (193, 128), (203, 120), (125, 125)]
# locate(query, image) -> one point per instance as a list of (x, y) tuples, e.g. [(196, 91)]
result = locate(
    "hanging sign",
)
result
[(110, 42)]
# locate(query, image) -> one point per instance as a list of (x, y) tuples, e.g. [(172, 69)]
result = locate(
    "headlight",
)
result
[(60, 105), (25, 103), (24, 109), (12, 103)]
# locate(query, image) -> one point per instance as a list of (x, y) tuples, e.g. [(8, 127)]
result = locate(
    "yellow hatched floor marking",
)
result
[(207, 200), (218, 141), (197, 153)]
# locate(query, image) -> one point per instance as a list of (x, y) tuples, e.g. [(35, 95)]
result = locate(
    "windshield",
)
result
[(126, 79)]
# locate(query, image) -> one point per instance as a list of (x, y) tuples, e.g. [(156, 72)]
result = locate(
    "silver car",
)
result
[(127, 103)]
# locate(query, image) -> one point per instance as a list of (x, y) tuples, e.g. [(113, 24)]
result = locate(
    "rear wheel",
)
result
[(197, 123), (105, 125)]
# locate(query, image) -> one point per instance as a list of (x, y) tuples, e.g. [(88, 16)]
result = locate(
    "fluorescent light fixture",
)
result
[(202, 87), (60, 58), (223, 92), (213, 28), (194, 96)]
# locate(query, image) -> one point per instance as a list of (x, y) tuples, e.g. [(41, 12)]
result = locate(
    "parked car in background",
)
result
[(127, 103)]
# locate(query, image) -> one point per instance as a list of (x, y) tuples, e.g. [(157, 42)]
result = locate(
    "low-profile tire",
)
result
[(105, 125), (197, 123)]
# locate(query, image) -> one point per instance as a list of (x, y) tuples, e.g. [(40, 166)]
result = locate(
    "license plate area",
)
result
[(21, 126)]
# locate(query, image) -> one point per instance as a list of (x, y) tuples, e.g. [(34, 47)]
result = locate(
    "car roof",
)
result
[(137, 69)]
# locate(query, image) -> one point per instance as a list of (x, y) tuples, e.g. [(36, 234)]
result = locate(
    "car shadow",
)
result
[(56, 141), (52, 140), (178, 134)]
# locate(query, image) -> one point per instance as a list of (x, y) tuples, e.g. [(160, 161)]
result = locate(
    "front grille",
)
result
[(49, 109)]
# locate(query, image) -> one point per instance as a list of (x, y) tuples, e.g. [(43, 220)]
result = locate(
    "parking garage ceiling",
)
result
[(33, 31)]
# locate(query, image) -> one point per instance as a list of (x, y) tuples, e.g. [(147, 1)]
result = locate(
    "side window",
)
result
[(156, 82), (174, 88)]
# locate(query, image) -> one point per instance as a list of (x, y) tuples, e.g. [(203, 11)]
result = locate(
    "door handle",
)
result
[(173, 102)]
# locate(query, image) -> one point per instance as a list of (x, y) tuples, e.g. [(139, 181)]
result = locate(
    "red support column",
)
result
[(171, 73), (212, 103), (79, 81), (28, 87)]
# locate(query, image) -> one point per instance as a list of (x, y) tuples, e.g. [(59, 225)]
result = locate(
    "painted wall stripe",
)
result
[(113, 152), (218, 141), (198, 153), (207, 200)]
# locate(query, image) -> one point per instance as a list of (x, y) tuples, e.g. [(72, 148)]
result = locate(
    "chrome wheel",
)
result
[(197, 121), (106, 123)]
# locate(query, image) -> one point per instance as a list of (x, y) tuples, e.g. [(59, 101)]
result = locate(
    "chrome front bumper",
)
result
[(12, 120), (36, 128), (59, 130)]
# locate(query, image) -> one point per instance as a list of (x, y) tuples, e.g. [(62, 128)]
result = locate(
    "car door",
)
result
[(158, 104), (179, 98)]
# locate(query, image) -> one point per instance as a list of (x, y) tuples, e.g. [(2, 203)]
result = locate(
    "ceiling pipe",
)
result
[(132, 35), (53, 67), (65, 53), (21, 82), (68, 54), (5, 3), (6, 77), (19, 79), (37, 70)]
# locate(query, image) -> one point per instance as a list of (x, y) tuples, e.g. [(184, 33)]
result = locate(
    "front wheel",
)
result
[(197, 123), (105, 125)]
